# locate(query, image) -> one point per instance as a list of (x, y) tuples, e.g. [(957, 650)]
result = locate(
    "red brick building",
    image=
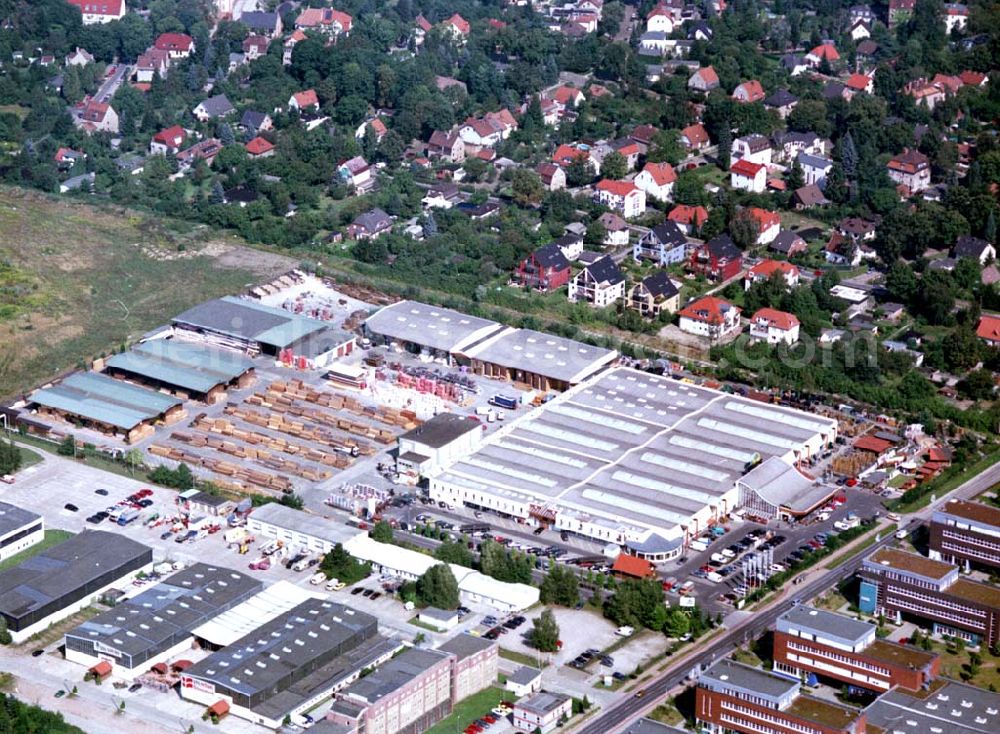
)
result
[(717, 259), (966, 532)]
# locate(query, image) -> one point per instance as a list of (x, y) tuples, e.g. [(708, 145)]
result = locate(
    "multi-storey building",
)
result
[(732, 697), (895, 582), (966, 532), (812, 641)]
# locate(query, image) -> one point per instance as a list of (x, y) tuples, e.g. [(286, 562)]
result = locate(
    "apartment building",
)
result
[(897, 583), (809, 641), (732, 697), (964, 532)]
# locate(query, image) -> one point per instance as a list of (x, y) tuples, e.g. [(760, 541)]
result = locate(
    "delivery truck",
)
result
[(504, 401), (127, 517)]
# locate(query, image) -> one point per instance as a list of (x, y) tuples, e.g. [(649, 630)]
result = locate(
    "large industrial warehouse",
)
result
[(537, 360), (630, 458), (158, 623), (63, 579)]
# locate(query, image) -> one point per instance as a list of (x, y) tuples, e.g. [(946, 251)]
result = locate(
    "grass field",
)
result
[(469, 709), (77, 280), (28, 457), (52, 537)]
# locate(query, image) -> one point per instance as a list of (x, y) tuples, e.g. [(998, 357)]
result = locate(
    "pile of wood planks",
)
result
[(275, 421), (298, 390), (252, 453), (280, 405), (224, 427), (237, 476)]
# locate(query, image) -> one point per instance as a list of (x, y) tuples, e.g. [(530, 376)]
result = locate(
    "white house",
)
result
[(710, 317), (748, 176), (657, 181), (753, 148), (956, 16), (815, 169), (100, 11), (622, 196), (600, 284), (774, 327), (660, 20), (765, 269)]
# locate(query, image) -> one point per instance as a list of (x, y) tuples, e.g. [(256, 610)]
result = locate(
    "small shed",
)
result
[(524, 681), (99, 672), (442, 619)]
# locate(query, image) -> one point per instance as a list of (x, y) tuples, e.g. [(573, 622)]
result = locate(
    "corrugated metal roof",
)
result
[(100, 398), (183, 364)]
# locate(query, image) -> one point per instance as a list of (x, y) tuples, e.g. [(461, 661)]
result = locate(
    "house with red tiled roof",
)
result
[(326, 20), (255, 47), (924, 93), (304, 100), (288, 47), (66, 158), (704, 80), (911, 169), (774, 327), (553, 177), (94, 117), (100, 11), (973, 78), (168, 141), (621, 196), (657, 180), (695, 137), (447, 146), (178, 45), (766, 269), (567, 96), (949, 84), (824, 52), (630, 566), (660, 20), (989, 329), (457, 26), (689, 218), (259, 148), (377, 127), (566, 153), (154, 62), (750, 91), (748, 176), (768, 224), (487, 131), (710, 317), (860, 83)]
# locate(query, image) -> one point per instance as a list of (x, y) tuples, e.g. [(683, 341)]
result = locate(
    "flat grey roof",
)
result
[(727, 673), (542, 702), (434, 327), (440, 614), (153, 620), (189, 366), (250, 320), (64, 568), (826, 623), (648, 726), (441, 430), (555, 357), (13, 518), (948, 707), (281, 516), (395, 674), (103, 399), (632, 447), (292, 641), (524, 675), (465, 645)]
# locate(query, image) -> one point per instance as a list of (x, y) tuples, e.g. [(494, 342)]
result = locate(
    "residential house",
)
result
[(304, 101), (457, 27), (446, 146), (255, 47), (177, 45), (657, 180), (749, 92), (255, 122), (168, 141), (235, 62), (857, 229), (748, 176), (357, 173), (262, 24), (99, 11), (860, 83), (718, 259), (626, 148), (79, 57), (841, 250), (767, 224), (288, 47), (643, 136), (568, 97), (660, 20), (911, 169), (989, 329), (622, 196), (824, 52), (203, 150), (553, 177), (815, 169), (444, 195), (788, 243), (695, 137), (866, 52), (542, 711), (487, 131), (704, 80), (699, 30), (665, 244), (809, 196), (374, 124), (900, 11), (66, 158), (370, 225), (956, 17), (259, 148), (766, 269), (975, 79), (571, 245), (794, 64), (789, 145), (860, 30), (655, 43), (753, 148), (601, 283), (781, 101), (154, 62), (98, 117), (654, 295), (421, 27), (616, 232), (972, 247), (213, 108), (546, 269), (710, 317), (689, 218), (85, 181), (862, 12), (774, 327), (325, 20), (924, 93)]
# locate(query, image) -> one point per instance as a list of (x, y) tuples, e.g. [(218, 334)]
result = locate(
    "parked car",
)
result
[(102, 492), (71, 507)]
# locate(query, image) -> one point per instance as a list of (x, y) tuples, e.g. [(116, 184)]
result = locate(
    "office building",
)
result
[(19, 529), (963, 532)]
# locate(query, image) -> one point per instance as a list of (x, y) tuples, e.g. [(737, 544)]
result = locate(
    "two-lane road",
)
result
[(616, 717)]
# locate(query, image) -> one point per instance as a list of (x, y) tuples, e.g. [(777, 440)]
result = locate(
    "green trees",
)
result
[(438, 587), (678, 624), (503, 565), (179, 478), (614, 166), (637, 604), (560, 586), (67, 447), (454, 552), (527, 187), (339, 564), (10, 457), (17, 717), (381, 531), (544, 634)]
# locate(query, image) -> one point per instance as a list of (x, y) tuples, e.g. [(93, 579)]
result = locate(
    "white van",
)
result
[(698, 546), (331, 585), (719, 558), (318, 578), (625, 631)]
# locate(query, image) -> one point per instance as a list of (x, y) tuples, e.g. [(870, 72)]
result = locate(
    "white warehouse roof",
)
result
[(259, 609)]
